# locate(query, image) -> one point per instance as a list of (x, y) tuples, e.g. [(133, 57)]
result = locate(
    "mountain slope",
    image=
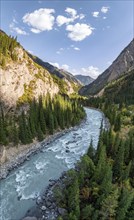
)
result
[(60, 73), (22, 78), (122, 64), (121, 90), (85, 80)]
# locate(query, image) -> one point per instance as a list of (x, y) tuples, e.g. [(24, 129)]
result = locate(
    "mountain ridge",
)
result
[(123, 63), (85, 80)]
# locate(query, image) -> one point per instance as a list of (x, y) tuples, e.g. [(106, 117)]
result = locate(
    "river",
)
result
[(24, 184)]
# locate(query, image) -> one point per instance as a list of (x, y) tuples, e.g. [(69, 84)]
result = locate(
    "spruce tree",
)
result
[(91, 150), (125, 201), (39, 133), (51, 123), (119, 163)]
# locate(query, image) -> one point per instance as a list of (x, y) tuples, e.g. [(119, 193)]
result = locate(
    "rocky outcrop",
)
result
[(122, 64), (22, 78), (46, 206), (3, 156)]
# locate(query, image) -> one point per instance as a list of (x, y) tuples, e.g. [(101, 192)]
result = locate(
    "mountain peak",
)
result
[(121, 65)]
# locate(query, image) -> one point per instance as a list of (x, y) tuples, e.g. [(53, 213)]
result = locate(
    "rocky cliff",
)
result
[(121, 65), (22, 78)]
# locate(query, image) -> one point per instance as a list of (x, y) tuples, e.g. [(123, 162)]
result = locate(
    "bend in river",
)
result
[(23, 185)]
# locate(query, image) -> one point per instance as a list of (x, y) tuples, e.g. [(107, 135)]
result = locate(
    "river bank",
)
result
[(25, 151), (23, 155), (46, 207), (25, 184)]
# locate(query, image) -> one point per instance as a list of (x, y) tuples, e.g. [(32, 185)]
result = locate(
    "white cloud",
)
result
[(71, 17), (81, 16), (65, 67), (55, 64), (63, 20), (30, 51), (20, 31), (92, 71), (36, 31), (71, 11), (40, 20), (14, 21), (104, 9), (76, 48), (104, 17), (17, 29), (66, 20), (95, 14), (58, 52), (79, 32)]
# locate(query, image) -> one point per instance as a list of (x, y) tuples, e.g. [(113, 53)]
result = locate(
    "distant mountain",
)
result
[(122, 64), (85, 80)]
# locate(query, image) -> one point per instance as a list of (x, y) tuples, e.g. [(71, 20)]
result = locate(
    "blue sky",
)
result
[(83, 37)]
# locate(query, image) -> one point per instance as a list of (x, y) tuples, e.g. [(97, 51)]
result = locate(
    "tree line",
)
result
[(7, 46), (44, 117)]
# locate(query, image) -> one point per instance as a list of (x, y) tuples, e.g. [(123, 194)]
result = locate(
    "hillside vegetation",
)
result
[(121, 90), (102, 185)]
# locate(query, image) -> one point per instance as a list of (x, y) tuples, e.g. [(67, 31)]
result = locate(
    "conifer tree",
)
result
[(15, 134), (51, 123), (39, 133), (42, 121), (73, 198), (125, 201), (91, 150), (119, 163)]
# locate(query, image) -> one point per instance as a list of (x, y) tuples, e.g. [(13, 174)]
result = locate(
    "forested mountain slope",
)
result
[(121, 65), (121, 90)]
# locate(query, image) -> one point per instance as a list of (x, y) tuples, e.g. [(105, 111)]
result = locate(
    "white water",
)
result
[(20, 189)]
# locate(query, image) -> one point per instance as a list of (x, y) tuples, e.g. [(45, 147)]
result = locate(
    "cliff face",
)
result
[(23, 79), (122, 64)]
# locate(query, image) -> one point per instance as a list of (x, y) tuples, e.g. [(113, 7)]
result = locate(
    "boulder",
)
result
[(39, 200), (48, 204), (43, 208), (62, 211)]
